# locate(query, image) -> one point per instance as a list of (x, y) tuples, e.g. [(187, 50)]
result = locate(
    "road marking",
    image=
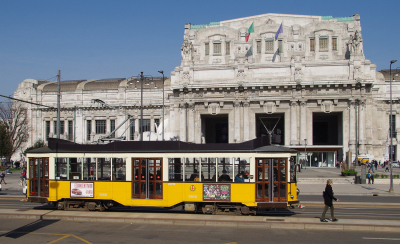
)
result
[(59, 239), (389, 239), (51, 234)]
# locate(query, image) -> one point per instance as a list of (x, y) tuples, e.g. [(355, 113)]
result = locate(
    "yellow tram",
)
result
[(238, 178)]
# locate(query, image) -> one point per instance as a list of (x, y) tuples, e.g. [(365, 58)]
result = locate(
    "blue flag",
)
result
[(280, 30)]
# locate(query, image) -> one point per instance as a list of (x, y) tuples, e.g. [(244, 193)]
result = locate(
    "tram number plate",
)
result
[(192, 196), (103, 194)]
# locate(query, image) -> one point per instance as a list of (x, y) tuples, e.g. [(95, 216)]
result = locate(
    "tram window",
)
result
[(242, 166), (119, 169), (103, 168), (283, 172), (61, 168), (75, 168), (225, 168), (208, 169), (175, 169), (89, 169), (192, 169)]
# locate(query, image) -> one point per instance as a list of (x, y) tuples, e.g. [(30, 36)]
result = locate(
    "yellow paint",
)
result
[(173, 193)]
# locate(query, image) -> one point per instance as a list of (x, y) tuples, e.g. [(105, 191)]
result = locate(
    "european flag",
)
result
[(280, 30)]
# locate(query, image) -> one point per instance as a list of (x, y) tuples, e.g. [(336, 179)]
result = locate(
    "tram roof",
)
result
[(255, 145)]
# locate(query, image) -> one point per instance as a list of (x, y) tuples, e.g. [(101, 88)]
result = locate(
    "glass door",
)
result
[(39, 177), (147, 178), (271, 180)]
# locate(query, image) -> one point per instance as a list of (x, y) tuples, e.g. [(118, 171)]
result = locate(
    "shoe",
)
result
[(323, 220), (335, 220)]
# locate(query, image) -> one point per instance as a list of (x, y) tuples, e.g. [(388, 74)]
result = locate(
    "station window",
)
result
[(323, 44), (217, 48), (88, 129), (175, 169), (269, 46), (207, 48), (227, 48), (312, 45), (132, 130), (70, 130), (100, 126), (112, 127), (61, 127), (334, 43), (258, 46), (47, 129)]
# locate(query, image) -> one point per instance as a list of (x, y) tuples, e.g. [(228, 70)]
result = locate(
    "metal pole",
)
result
[(391, 190), (305, 151), (141, 107), (58, 106), (162, 72)]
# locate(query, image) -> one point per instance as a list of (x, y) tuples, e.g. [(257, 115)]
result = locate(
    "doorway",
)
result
[(147, 178), (39, 177), (215, 128)]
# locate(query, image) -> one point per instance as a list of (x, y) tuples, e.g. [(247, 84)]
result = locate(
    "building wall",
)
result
[(289, 76)]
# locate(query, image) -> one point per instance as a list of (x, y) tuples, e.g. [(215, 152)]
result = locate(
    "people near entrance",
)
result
[(2, 176), (239, 178), (328, 199), (370, 177)]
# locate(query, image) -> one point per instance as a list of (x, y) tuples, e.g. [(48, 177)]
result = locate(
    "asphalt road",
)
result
[(60, 232), (347, 198), (307, 212)]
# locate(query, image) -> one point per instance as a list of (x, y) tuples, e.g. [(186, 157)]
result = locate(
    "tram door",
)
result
[(39, 177), (271, 180), (147, 178)]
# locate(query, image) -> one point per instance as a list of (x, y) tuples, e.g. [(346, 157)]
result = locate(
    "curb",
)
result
[(352, 204), (267, 224)]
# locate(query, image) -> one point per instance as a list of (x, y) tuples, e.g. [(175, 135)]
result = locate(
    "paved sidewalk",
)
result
[(206, 220), (312, 181)]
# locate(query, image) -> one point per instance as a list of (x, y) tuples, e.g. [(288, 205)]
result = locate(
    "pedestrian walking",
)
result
[(328, 199), (2, 175)]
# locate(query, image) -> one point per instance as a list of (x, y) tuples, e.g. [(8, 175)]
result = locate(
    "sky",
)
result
[(101, 39)]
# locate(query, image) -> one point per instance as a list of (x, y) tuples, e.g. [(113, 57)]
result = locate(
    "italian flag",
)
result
[(250, 30)]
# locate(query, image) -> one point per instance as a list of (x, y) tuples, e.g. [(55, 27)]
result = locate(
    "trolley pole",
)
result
[(141, 107)]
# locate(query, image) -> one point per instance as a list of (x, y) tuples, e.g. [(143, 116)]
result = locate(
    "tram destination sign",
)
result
[(216, 192), (82, 189)]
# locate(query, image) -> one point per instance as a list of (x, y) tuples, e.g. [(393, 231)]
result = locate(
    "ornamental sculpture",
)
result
[(187, 50)]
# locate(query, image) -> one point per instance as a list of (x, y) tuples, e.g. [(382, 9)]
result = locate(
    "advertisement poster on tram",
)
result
[(214, 192), (82, 189)]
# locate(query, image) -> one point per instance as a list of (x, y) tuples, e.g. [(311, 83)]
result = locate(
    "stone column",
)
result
[(190, 123), (303, 122), (246, 122), (183, 122), (197, 125), (293, 123), (237, 118), (361, 126), (352, 132)]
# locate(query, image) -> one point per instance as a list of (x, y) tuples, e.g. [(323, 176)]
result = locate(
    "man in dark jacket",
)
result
[(328, 199)]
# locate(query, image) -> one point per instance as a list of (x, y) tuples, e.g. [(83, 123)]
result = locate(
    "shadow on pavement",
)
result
[(26, 229)]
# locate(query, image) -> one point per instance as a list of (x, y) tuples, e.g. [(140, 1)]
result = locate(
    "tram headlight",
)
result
[(291, 196)]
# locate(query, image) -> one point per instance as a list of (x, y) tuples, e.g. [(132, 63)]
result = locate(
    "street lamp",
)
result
[(391, 129), (162, 72)]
